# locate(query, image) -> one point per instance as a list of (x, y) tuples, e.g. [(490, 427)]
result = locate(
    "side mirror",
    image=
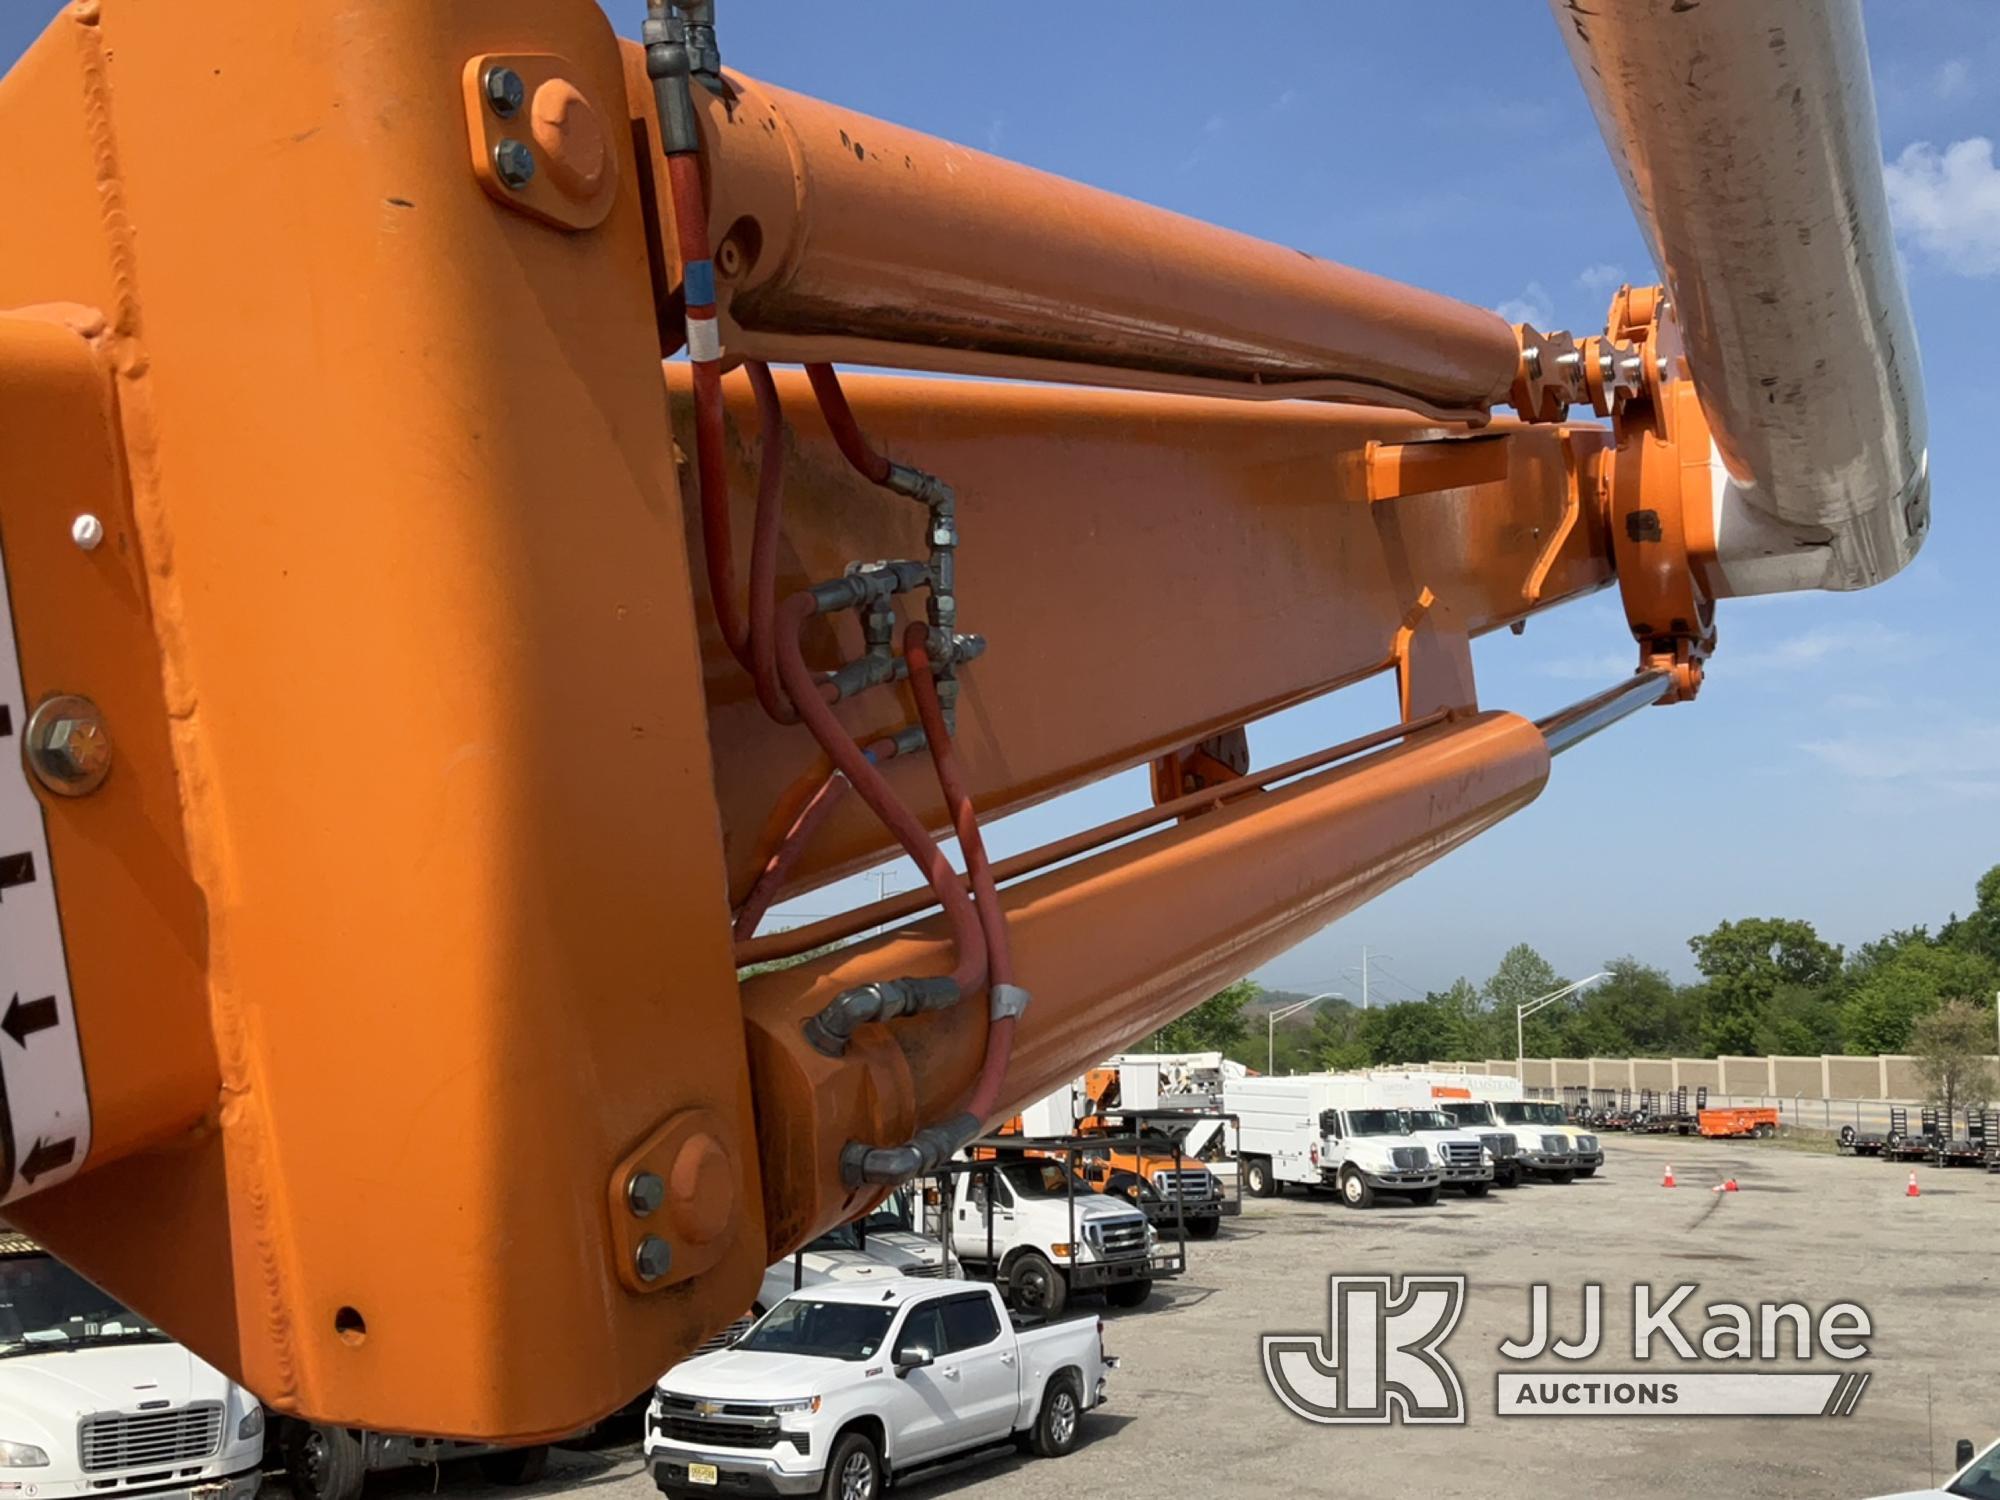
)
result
[(1963, 1455), (912, 1359)]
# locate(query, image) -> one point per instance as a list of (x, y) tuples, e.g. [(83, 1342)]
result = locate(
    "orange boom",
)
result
[(413, 700)]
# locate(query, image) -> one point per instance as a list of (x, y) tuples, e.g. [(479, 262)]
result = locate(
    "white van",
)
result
[(96, 1401)]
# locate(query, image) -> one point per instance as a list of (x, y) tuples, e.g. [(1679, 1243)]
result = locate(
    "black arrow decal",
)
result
[(23, 1021), (46, 1157), (16, 869)]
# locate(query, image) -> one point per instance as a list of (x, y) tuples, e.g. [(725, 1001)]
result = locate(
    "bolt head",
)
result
[(644, 1193), (653, 1258), (87, 532), (68, 747), (505, 92), (514, 162)]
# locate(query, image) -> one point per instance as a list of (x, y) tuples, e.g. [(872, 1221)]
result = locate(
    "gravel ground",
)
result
[(1190, 1412)]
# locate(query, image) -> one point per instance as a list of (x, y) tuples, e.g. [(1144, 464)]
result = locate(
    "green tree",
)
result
[(1524, 975), (1980, 931), (1951, 1045), (1744, 963), (1636, 1011), (1414, 1031), (1798, 1021), (1215, 1025), (1885, 1001)]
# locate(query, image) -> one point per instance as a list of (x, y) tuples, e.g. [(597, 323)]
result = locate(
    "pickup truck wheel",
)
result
[(515, 1465), (1128, 1293), (1035, 1286), (854, 1470), (1060, 1419), (1204, 1229), (1355, 1191), (1257, 1177), (325, 1463)]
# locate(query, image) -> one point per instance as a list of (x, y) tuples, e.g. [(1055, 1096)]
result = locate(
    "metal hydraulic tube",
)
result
[(1118, 943), (840, 237), (1747, 138)]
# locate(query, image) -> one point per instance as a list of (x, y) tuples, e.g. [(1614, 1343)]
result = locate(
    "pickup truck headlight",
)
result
[(804, 1406), (21, 1456), (252, 1424), (1485, 1157)]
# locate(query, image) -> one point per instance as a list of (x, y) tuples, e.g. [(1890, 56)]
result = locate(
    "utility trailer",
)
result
[(1903, 1146), (1725, 1124), (1853, 1141), (1968, 1150)]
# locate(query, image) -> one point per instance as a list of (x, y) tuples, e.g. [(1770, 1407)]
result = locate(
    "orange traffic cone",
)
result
[(1913, 1193), (1669, 1182), (1730, 1186)]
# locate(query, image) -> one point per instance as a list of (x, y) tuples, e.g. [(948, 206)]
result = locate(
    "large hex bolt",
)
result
[(505, 92), (514, 163), (68, 747), (654, 1258)]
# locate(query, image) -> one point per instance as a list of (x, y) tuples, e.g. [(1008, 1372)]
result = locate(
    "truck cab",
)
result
[(96, 1400), (1029, 1224), (839, 1255), (1465, 1162), (1531, 1118), (1370, 1150)]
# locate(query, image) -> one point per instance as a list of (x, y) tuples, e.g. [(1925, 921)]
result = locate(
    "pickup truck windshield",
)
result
[(820, 1330), (46, 1308), (1377, 1122), (1469, 1113), (1431, 1119), (1039, 1179), (1981, 1481), (1519, 1112)]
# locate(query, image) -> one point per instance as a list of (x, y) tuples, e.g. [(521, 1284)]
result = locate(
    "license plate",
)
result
[(703, 1474)]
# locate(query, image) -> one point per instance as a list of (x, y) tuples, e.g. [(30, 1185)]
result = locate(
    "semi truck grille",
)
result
[(1555, 1145), (1196, 1186), (1500, 1145), (1461, 1153), (1586, 1143), (136, 1440), (1409, 1158), (920, 1269), (1123, 1237)]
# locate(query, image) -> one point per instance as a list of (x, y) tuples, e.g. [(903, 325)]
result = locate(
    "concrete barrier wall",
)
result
[(1894, 1078)]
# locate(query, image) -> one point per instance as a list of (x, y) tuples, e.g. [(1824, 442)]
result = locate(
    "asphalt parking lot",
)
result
[(1190, 1407)]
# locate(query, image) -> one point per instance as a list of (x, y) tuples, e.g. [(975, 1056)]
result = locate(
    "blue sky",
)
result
[(1843, 762)]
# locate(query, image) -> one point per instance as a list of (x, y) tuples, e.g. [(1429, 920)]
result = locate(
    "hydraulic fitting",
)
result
[(832, 1029), (928, 1150)]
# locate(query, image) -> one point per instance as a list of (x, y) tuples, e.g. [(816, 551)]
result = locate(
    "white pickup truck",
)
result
[(842, 1390), (96, 1400)]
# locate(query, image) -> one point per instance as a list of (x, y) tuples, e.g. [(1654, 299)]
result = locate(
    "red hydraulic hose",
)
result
[(992, 919), (764, 549), (853, 443), (849, 759), (705, 356), (819, 807)]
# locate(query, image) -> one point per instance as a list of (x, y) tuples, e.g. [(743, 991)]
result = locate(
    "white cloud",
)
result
[(1960, 761), (1948, 203), (1953, 79), (1859, 644), (1601, 277), (1532, 306)]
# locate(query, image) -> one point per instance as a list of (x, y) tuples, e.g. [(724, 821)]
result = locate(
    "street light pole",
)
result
[(1274, 1017), (1522, 1012)]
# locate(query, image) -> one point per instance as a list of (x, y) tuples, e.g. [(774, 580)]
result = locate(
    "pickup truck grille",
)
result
[(1409, 1158), (1461, 1154), (1196, 1186), (698, 1432), (133, 1440), (1123, 1237)]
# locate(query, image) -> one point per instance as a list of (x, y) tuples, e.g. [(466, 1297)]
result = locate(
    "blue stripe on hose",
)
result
[(698, 283)]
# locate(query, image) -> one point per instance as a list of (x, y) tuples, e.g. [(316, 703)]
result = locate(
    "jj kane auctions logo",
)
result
[(1381, 1358)]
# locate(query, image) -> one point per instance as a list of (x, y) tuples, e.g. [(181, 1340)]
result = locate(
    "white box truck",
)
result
[(1319, 1130)]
